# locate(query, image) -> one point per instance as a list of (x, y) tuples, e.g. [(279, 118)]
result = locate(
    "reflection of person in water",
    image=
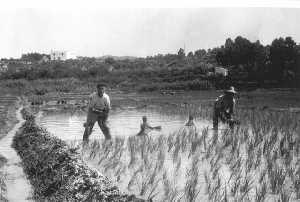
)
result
[(146, 128)]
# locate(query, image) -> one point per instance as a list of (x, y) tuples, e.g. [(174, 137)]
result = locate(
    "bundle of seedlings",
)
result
[(56, 171)]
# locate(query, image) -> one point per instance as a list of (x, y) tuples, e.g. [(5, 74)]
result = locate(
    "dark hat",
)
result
[(101, 85)]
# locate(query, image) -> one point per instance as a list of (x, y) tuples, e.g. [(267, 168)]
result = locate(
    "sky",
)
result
[(138, 32)]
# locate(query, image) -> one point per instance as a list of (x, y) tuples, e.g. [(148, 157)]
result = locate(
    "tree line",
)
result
[(279, 61), (246, 61)]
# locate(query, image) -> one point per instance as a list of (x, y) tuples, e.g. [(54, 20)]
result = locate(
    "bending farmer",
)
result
[(146, 128), (98, 110), (224, 108)]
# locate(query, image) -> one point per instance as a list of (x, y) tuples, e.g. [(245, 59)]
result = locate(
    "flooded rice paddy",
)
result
[(122, 123), (258, 161), (139, 159)]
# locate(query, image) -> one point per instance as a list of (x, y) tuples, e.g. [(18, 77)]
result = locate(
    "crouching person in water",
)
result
[(190, 121), (224, 108), (189, 128), (146, 128), (98, 110)]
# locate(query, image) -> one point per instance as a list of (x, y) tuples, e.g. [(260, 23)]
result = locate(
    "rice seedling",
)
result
[(204, 137), (214, 193), (260, 194), (236, 184), (133, 179), (166, 186), (2, 188), (262, 176), (285, 195), (196, 143), (258, 158), (276, 177), (245, 186), (170, 142), (225, 195), (170, 191), (191, 190), (161, 158), (153, 191), (235, 165), (121, 170), (176, 153), (296, 184), (132, 152), (143, 187)]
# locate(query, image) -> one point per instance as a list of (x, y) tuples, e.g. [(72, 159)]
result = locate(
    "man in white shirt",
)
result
[(98, 110)]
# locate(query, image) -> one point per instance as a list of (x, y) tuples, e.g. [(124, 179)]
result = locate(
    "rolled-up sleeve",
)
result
[(108, 102)]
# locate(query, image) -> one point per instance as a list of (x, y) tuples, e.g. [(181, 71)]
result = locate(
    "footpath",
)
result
[(17, 186)]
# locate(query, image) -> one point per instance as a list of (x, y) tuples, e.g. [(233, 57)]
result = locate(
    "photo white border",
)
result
[(97, 4)]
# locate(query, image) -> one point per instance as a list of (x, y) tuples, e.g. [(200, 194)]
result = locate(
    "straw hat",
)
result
[(230, 90)]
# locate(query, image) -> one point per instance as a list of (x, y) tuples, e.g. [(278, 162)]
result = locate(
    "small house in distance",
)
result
[(110, 68), (217, 71), (44, 59), (221, 71), (3, 67), (62, 55)]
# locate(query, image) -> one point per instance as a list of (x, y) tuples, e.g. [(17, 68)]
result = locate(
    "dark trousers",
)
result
[(92, 117), (218, 115)]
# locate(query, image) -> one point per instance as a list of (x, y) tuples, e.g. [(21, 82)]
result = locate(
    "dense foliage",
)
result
[(279, 61), (249, 63), (34, 57)]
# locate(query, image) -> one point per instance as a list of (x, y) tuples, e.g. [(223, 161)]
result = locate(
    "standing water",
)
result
[(122, 123), (18, 187), (126, 123)]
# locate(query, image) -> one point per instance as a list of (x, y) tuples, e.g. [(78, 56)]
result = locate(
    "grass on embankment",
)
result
[(3, 160), (56, 172)]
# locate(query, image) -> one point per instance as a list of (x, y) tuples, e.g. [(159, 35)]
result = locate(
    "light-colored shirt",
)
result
[(99, 103)]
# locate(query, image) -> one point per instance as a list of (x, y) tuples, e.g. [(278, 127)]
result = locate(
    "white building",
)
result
[(3, 68), (62, 55), (222, 71)]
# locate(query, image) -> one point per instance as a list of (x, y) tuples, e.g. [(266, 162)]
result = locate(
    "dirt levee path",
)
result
[(18, 187)]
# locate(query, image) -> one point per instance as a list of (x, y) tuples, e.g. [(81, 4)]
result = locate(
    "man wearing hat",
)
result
[(98, 109), (224, 108)]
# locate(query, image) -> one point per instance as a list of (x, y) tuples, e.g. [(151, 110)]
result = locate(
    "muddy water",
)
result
[(126, 122), (18, 187)]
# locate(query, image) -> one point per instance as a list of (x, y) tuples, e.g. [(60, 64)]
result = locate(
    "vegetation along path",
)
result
[(18, 187)]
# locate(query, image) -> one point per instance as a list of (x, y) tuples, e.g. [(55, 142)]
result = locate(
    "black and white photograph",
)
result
[(161, 102)]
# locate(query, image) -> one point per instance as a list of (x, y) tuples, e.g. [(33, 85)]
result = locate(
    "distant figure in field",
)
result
[(190, 121), (98, 110), (189, 127), (224, 108), (146, 128)]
